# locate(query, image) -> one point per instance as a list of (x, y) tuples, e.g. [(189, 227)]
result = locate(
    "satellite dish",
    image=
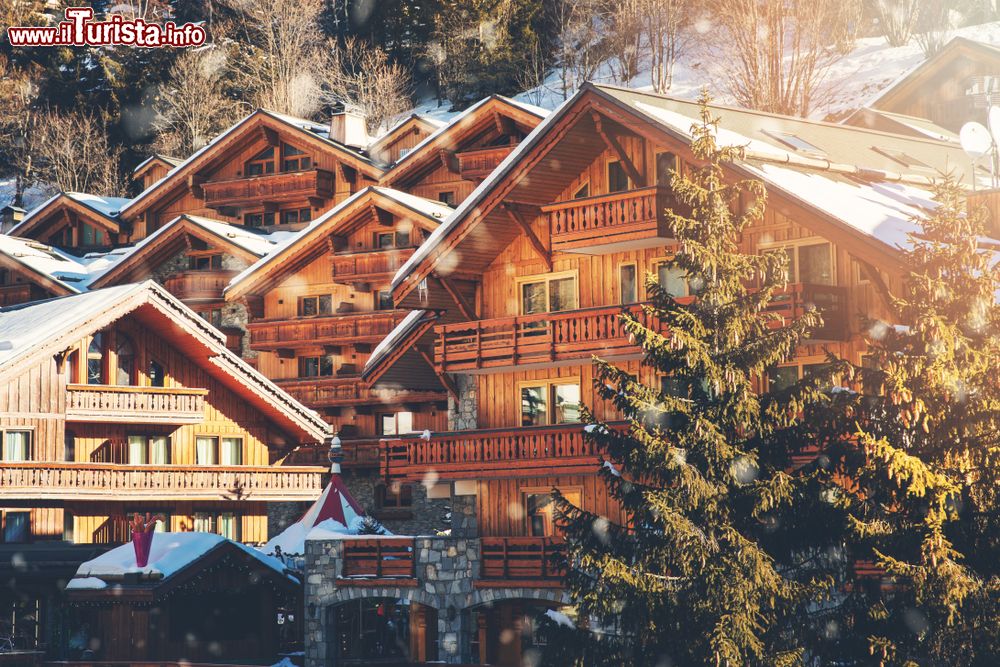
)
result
[(976, 139), (993, 122)]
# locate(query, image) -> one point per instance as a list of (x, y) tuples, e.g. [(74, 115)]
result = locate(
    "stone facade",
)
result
[(282, 515), (446, 569), (462, 415), (425, 517)]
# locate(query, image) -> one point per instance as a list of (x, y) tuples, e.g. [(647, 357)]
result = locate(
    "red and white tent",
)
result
[(335, 511)]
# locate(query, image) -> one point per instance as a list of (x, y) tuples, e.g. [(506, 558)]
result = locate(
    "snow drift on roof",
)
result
[(387, 344)]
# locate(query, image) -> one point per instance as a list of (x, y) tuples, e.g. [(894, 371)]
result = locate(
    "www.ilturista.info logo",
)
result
[(80, 30)]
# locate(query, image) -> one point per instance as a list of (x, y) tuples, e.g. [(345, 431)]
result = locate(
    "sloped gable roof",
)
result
[(102, 211), (32, 331)]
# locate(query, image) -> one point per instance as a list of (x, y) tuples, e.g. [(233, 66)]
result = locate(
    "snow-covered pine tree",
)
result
[(924, 498), (717, 565)]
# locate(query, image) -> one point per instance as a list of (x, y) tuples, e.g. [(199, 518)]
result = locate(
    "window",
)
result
[(783, 377), (315, 305), (861, 276), (396, 423), (204, 522), (91, 236), (293, 159), (550, 402), (617, 178), (125, 353), (551, 294), (264, 219), (447, 198), (810, 263), (794, 142), (262, 163), (628, 289), (148, 450), (204, 262), (69, 526), (311, 367), (229, 525), (582, 191), (385, 240), (902, 158), (213, 316), (17, 446), (95, 359), (383, 300), (666, 164), (293, 216), (393, 496), (16, 527), (539, 511), (673, 279), (5, 277), (157, 376), (206, 451), (232, 452)]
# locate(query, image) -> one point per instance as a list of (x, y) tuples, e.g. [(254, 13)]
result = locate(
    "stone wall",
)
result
[(446, 569), (463, 517), (281, 515), (426, 516), (462, 412)]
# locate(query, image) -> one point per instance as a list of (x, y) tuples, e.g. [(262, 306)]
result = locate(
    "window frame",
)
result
[(30, 430), (319, 365), (148, 447), (795, 244), (663, 259), (380, 416), (629, 185), (635, 283), (572, 492), (547, 278), (550, 398), (267, 165)]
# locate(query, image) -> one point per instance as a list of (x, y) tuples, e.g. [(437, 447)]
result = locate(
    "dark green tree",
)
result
[(923, 496), (727, 553)]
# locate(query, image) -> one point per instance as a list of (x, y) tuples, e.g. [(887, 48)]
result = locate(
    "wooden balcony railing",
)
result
[(351, 390), (12, 295), (269, 188), (491, 453), (198, 285), (134, 405), (108, 481), (379, 558), (360, 453), (513, 560), (478, 164), (323, 330), (593, 223), (548, 338), (368, 266)]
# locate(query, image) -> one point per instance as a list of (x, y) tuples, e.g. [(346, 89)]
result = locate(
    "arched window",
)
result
[(95, 359), (125, 351)]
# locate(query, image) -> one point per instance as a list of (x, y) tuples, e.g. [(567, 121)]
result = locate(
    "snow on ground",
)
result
[(33, 195)]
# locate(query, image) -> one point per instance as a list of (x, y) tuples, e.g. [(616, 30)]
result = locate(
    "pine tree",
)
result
[(721, 556), (924, 496)]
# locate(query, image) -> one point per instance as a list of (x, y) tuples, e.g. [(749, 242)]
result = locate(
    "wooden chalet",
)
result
[(194, 258), (547, 253), (952, 87), (202, 598), (31, 271), (402, 137), (77, 222), (153, 168), (448, 164), (320, 304), (268, 171)]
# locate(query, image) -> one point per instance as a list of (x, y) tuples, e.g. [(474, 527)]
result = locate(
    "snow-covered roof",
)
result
[(106, 207), (433, 211), (393, 338), (883, 210), (169, 554), (453, 122), (334, 512), (65, 269), (172, 161)]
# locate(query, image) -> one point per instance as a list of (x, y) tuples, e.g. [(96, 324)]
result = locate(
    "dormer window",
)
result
[(262, 163), (292, 159), (795, 142)]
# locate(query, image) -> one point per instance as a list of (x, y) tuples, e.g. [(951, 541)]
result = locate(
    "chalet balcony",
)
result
[(372, 266), (344, 329), (198, 285), (11, 295), (359, 453), (477, 164), (515, 561), (41, 480), (378, 558), (490, 453), (292, 186), (134, 405), (323, 392), (610, 223), (575, 335)]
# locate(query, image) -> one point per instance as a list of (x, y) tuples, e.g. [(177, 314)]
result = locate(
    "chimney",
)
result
[(10, 215), (348, 127)]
